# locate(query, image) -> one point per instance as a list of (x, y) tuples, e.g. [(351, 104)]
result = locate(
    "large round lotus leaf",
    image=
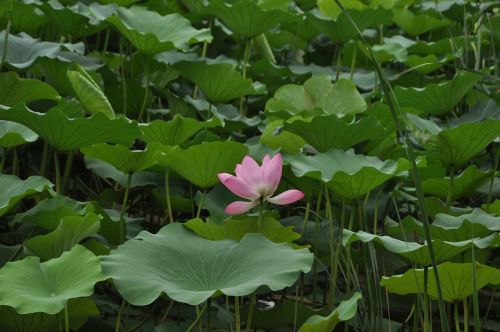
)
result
[(331, 132), (348, 174), (455, 279), (437, 98), (345, 311), (65, 133), (220, 82), (245, 18), (318, 92), (200, 164), (30, 286), (152, 33), (15, 90), (14, 189), (14, 134), (419, 253), (190, 269), (174, 132), (121, 157)]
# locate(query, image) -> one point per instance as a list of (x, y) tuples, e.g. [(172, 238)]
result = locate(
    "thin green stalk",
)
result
[(466, 315), (209, 315), (246, 60), (260, 226), (450, 188), (250, 312), (237, 313), (4, 156), (475, 297), (204, 50), (122, 72), (493, 172), (457, 320), (426, 300), (58, 173), (424, 217), (124, 207), (167, 196), (296, 308), (306, 218), (66, 318), (314, 267), (348, 249), (200, 206), (146, 90), (199, 314), (15, 161), (67, 169), (331, 241), (5, 44), (45, 159), (353, 61), (197, 319), (119, 316)]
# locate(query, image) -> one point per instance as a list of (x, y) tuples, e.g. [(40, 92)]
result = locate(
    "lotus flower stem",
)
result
[(167, 196), (200, 206), (66, 318)]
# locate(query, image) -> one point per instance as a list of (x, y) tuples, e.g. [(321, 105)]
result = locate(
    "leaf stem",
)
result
[(146, 90), (66, 318), (167, 196), (237, 313), (450, 188), (246, 60), (67, 169), (123, 208), (200, 206), (496, 157), (58, 173), (199, 314)]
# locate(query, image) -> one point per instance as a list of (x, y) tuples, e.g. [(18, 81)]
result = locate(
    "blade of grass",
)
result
[(394, 108)]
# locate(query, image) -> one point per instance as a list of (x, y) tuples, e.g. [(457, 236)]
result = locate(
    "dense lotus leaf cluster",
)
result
[(270, 165)]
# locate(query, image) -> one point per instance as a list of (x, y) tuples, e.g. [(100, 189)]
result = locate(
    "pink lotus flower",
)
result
[(256, 182)]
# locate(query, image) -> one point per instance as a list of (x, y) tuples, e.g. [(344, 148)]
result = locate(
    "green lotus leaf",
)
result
[(426, 64), (30, 286), (13, 134), (121, 157), (415, 25), (76, 21), (453, 288), (464, 184), (220, 82), (346, 310), (246, 18), (419, 253), (457, 145), (331, 132), (71, 231), (152, 33), (478, 224), (48, 213), (24, 16), (437, 99), (23, 51), (346, 173), (15, 189), (199, 268), (318, 92), (15, 90), (65, 133), (79, 310), (341, 30), (237, 228), (176, 131), (200, 164), (283, 140), (89, 93)]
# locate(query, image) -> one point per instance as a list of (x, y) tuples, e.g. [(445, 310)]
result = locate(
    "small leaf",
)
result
[(30, 286)]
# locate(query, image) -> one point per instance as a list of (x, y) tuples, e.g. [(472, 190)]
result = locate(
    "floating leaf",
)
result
[(200, 164), (14, 134), (464, 184), (317, 93), (152, 33), (220, 82), (232, 268), (30, 286), (121, 157), (89, 93), (71, 231), (437, 99), (237, 228), (350, 175), (331, 132), (15, 90), (64, 133), (345, 311), (15, 189), (174, 132), (453, 288)]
